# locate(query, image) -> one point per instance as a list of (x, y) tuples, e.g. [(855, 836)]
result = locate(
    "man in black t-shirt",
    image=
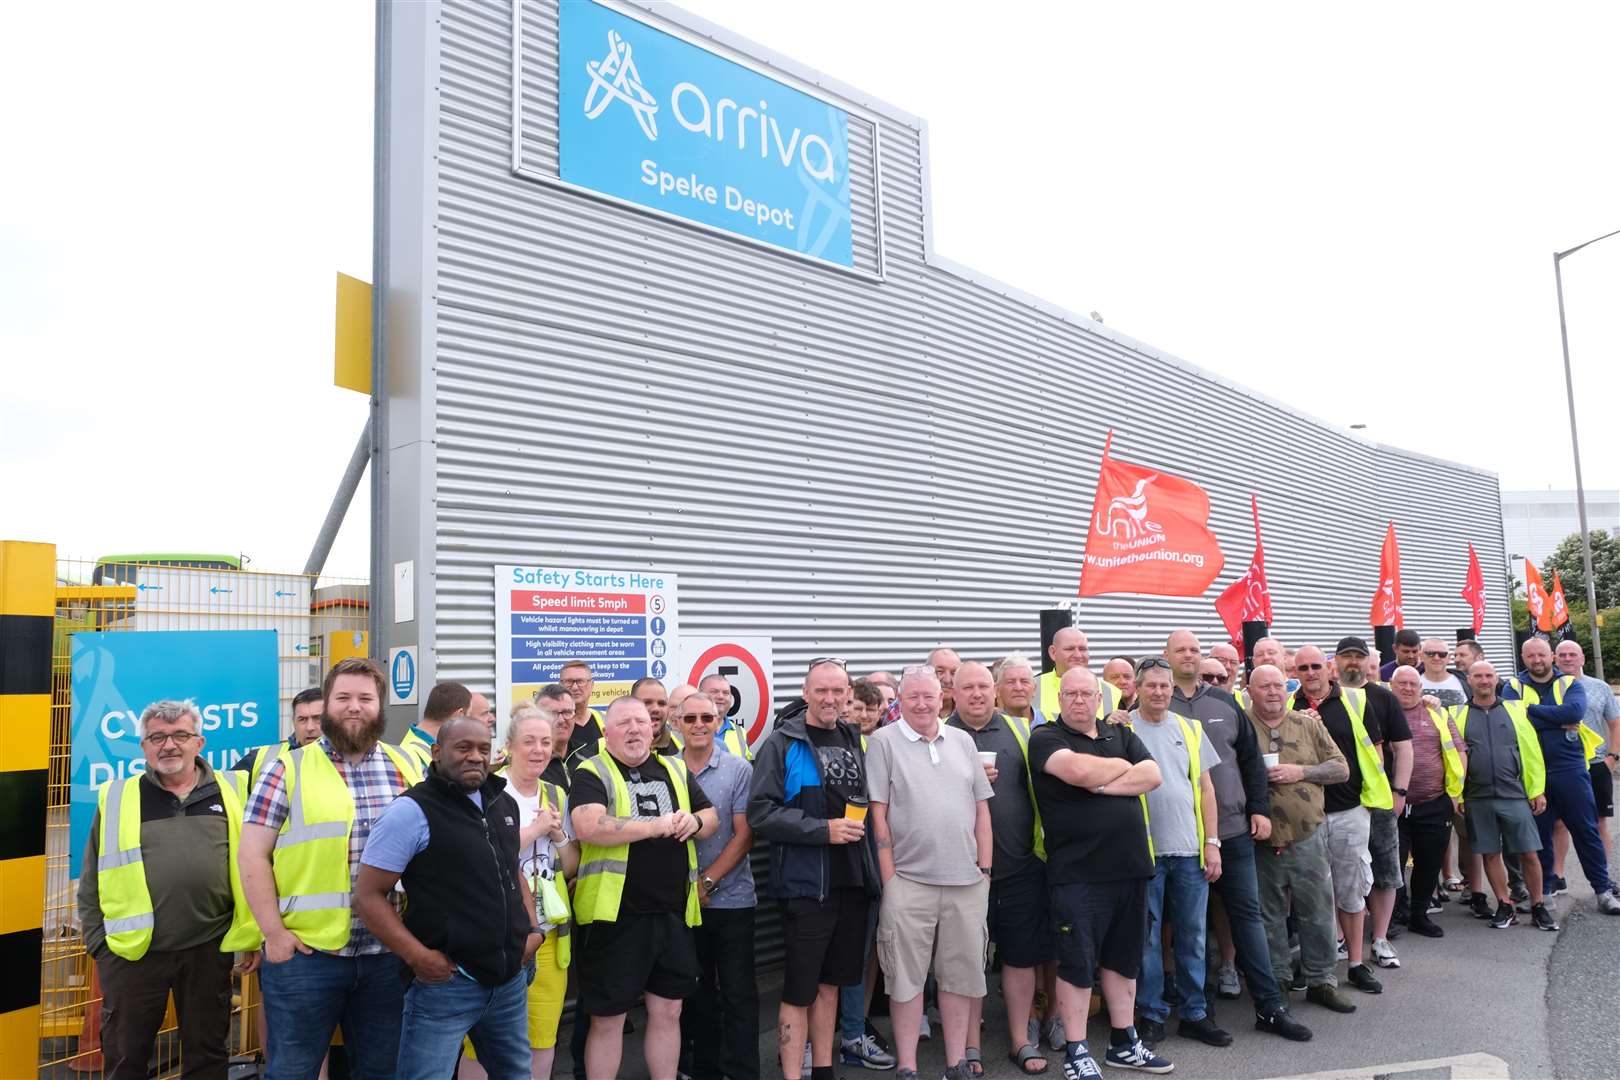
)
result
[(635, 902), (1087, 781)]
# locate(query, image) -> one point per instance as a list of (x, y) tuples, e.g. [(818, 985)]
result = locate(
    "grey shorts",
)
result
[(1501, 826), (1347, 833), (1384, 847)]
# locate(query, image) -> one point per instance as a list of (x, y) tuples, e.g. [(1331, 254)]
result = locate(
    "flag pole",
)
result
[(1107, 444)]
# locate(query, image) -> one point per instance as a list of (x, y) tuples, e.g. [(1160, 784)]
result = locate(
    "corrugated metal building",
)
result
[(863, 463)]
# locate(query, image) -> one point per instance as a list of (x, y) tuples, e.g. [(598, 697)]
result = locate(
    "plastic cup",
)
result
[(1270, 759), (855, 811), (987, 757)]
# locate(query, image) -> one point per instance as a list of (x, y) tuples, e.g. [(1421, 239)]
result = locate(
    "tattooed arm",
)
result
[(883, 839), (594, 825)]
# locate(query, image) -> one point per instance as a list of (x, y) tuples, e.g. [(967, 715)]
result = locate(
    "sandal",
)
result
[(1025, 1057), (1454, 884), (973, 1060)]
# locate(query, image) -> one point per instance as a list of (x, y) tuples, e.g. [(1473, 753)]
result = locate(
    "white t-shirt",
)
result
[(1449, 690), (540, 858)]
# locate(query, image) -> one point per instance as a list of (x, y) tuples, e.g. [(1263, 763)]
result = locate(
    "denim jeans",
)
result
[(313, 994), (1179, 895), (1239, 890), (439, 1015)]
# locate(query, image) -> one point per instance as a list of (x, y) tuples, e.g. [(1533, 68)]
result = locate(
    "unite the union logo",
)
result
[(1126, 515), (615, 78)]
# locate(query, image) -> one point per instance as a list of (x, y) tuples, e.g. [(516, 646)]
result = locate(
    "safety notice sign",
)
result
[(622, 622)]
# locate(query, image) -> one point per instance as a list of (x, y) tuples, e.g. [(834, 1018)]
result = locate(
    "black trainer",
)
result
[(1150, 1031), (1542, 919), (1206, 1031), (1479, 907), (1297, 981), (1282, 1023), (1361, 977), (1504, 917), (1425, 927)]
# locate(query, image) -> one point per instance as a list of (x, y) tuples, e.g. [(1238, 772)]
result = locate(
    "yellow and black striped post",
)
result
[(27, 612)]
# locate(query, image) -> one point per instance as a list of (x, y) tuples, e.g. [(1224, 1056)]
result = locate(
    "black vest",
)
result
[(461, 892)]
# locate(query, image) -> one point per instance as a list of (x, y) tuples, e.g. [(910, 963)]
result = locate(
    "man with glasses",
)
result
[(1294, 871), (1213, 673), (720, 1023), (1347, 820), (1438, 680), (809, 799), (1244, 800), (160, 899), (1228, 656), (558, 706), (575, 676)]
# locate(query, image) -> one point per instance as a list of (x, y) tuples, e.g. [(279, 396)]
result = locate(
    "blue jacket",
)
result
[(787, 807)]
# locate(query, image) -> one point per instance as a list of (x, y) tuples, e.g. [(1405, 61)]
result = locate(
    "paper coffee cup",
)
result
[(1269, 759), (987, 757)]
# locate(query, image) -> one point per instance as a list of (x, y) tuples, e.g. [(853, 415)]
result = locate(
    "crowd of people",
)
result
[(1164, 832)]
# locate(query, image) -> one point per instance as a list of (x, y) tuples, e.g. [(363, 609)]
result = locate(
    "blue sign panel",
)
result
[(231, 675), (647, 117)]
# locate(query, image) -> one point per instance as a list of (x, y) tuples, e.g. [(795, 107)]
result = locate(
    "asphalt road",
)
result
[(1477, 1003)]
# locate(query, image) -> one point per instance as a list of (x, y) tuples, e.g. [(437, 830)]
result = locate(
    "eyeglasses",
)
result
[(576, 682), (178, 738), (1076, 695), (1309, 667)]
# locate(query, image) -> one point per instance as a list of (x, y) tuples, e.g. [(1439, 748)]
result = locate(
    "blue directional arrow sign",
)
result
[(217, 589), (149, 588), (283, 592), (300, 648)]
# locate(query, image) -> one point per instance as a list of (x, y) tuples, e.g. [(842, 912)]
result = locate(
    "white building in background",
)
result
[(1536, 522)]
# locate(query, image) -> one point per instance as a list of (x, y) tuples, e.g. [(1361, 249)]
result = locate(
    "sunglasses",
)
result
[(1214, 679), (701, 718), (1153, 662), (1309, 667), (818, 661), (1437, 655)]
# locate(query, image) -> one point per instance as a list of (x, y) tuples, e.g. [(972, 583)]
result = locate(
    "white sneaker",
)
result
[(865, 1053), (1383, 954), (926, 1032), (807, 1066), (1344, 951)]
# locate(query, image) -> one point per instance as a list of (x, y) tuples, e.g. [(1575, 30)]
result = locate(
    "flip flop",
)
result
[(1025, 1056), (973, 1060)]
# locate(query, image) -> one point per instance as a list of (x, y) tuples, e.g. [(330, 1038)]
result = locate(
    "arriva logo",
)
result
[(615, 78), (1126, 516)]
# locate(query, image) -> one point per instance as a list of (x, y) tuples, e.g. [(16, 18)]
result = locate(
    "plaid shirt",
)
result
[(374, 782)]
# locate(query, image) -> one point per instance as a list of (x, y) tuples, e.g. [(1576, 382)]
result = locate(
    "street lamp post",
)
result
[(1575, 444)]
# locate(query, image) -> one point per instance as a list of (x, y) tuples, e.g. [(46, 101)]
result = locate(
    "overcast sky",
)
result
[(1352, 209)]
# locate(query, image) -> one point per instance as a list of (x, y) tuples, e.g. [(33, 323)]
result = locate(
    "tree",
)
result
[(1566, 560)]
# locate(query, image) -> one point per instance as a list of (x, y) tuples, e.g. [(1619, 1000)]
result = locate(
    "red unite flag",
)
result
[(1474, 589), (1560, 610), (1248, 599), (1535, 594), (1386, 605), (1149, 533)]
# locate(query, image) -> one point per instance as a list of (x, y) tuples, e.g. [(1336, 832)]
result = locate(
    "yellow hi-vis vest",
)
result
[(1534, 766), (311, 856), (126, 902), (600, 884), (731, 739), (1449, 758), (1046, 696), (1591, 741), (1193, 732), (1376, 793), (1020, 729), (419, 748)]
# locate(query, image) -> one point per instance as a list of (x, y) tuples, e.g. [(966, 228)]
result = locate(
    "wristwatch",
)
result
[(985, 870), (1213, 841), (709, 885), (1399, 791)]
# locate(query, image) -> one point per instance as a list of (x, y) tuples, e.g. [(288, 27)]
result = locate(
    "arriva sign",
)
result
[(655, 120)]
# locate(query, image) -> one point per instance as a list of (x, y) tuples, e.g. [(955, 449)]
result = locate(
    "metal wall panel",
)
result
[(849, 466)]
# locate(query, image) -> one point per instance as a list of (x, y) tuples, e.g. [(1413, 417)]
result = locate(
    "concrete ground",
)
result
[(1478, 1003)]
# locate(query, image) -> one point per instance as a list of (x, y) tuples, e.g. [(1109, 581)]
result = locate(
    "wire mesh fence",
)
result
[(316, 623)]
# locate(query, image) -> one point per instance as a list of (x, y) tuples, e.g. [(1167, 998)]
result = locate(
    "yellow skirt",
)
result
[(545, 998)]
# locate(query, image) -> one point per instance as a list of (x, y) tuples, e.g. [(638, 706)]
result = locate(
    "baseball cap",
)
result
[(1351, 645)]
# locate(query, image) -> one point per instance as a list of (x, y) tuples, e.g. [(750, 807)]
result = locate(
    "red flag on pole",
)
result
[(1149, 533), (1386, 605), (1560, 610), (1535, 594), (1474, 590), (1248, 599)]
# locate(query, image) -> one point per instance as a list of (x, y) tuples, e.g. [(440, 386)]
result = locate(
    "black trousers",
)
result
[(720, 1023), (1426, 833), (135, 995)]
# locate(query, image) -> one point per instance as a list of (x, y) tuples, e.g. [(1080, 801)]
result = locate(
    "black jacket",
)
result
[(462, 895)]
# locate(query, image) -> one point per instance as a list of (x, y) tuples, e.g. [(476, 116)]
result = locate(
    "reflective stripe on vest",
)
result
[(311, 856), (1591, 741), (1046, 696), (1192, 732), (1532, 766), (1020, 729), (126, 900), (599, 886), (1449, 758), (1376, 794)]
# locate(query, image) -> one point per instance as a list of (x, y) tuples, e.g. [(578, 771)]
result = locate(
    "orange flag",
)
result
[(1536, 595), (1149, 534), (1386, 605), (1560, 610)]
